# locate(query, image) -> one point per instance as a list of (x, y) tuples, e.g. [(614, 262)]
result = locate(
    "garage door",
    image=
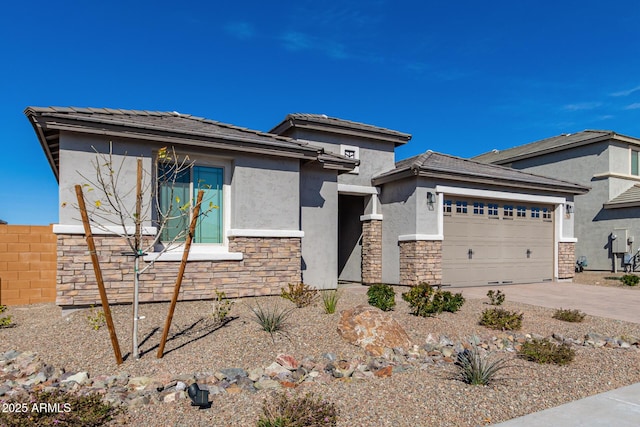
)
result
[(496, 242)]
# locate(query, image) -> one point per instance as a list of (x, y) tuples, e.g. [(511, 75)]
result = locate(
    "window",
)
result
[(351, 152), (492, 209), (478, 208), (521, 212), (546, 214), (461, 207), (535, 212), (507, 211), (185, 190), (634, 162), (447, 206)]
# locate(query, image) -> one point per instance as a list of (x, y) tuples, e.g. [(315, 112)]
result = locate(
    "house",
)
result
[(316, 199), (608, 216)]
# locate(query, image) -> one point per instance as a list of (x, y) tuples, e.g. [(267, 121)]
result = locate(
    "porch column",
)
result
[(566, 260), (371, 251)]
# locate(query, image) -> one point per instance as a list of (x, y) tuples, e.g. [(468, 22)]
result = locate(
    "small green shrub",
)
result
[(221, 308), (499, 318), (271, 320), (96, 318), (285, 410), (477, 369), (301, 295), (382, 296), (71, 410), (545, 351), (330, 300), (574, 316), (630, 279), (424, 300), (496, 297), (5, 321)]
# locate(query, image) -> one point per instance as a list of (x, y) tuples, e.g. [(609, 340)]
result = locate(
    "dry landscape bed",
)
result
[(421, 396)]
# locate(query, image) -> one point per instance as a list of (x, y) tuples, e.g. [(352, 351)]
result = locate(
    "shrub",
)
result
[(271, 320), (499, 318), (330, 300), (96, 318), (382, 296), (545, 351), (285, 410), (301, 295), (221, 308), (426, 301), (477, 369), (496, 297), (575, 316), (630, 279), (5, 321), (74, 410)]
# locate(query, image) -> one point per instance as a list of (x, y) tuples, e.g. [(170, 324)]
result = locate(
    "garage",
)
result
[(496, 242)]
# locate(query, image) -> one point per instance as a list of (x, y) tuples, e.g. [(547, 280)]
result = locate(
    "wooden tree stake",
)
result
[(183, 265), (98, 272)]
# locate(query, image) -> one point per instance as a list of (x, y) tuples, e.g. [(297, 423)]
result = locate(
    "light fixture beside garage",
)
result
[(568, 208), (431, 200)]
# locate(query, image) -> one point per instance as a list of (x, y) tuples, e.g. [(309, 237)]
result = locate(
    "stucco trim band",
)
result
[(115, 230), (248, 232), (501, 195), (371, 217), (420, 237)]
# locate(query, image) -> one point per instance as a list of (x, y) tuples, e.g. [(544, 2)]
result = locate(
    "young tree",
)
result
[(118, 207)]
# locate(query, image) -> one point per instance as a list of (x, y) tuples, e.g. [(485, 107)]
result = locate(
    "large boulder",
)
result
[(372, 329)]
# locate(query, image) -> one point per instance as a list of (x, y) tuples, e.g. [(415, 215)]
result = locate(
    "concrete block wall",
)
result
[(269, 264), (27, 264), (420, 261)]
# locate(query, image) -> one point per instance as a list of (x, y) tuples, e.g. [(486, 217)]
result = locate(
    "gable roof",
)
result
[(170, 127), (446, 167), (628, 199), (553, 144), (324, 123)]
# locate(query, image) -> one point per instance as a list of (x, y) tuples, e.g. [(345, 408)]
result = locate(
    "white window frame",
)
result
[(356, 152)]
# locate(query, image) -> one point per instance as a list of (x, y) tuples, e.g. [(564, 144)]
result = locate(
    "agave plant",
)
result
[(478, 369)]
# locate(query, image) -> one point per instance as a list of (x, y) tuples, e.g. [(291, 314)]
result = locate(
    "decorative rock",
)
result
[(274, 369), (267, 384), (372, 329), (232, 373), (79, 378), (331, 357), (255, 374), (139, 383), (383, 372), (343, 368), (287, 361), (180, 386)]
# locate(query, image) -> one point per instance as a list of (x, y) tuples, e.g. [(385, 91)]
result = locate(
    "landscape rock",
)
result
[(372, 329), (287, 361)]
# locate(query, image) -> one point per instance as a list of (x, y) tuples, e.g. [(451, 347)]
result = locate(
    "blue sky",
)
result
[(463, 77)]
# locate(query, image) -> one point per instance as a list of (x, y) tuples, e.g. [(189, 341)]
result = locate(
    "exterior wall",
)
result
[(319, 221), (269, 264), (420, 261), (566, 260), (27, 264), (592, 224), (371, 252)]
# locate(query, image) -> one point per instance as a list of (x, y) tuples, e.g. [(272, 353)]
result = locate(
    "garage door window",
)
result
[(478, 208), (546, 214), (507, 211), (535, 212), (447, 206), (461, 207), (521, 212), (492, 209)]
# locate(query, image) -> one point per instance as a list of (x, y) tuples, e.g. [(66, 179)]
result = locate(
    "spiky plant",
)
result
[(476, 368), (271, 319)]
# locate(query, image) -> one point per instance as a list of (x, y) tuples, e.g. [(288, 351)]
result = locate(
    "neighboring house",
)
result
[(317, 199), (607, 162)]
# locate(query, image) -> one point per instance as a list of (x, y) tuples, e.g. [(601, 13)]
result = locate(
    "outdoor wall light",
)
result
[(431, 199), (569, 208), (199, 398)]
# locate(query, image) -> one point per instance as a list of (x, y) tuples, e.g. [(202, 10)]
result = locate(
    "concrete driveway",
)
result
[(613, 303)]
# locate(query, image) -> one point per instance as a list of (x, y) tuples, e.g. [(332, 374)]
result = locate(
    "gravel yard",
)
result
[(419, 396)]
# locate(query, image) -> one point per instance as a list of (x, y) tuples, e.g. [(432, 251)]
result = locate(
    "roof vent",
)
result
[(324, 116), (175, 113), (495, 151)]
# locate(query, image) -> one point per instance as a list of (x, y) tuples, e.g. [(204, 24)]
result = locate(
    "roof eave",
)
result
[(44, 142)]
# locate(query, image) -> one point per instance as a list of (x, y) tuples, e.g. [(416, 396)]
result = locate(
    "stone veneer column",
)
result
[(268, 264), (566, 260), (420, 261), (371, 252)]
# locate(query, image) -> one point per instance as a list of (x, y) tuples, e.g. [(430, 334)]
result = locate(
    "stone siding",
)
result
[(371, 252), (268, 265), (421, 261), (566, 260)]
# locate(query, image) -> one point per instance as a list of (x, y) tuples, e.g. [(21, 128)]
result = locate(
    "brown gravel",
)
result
[(418, 397), (602, 278)]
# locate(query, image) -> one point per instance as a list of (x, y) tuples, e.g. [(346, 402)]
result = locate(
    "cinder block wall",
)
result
[(28, 264)]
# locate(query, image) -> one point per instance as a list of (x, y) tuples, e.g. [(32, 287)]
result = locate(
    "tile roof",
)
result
[(556, 143), (324, 121), (443, 166), (629, 198)]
